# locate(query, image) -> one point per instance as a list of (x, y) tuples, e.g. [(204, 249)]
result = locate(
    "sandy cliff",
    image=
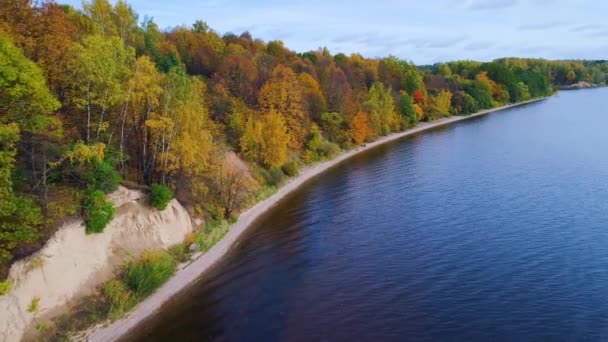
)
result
[(72, 264)]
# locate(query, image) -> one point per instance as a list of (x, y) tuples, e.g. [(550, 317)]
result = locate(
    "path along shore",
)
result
[(188, 275)]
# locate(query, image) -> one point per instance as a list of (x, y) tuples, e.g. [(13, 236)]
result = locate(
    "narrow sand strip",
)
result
[(186, 276)]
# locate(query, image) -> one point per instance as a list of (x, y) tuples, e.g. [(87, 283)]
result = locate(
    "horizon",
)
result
[(386, 28)]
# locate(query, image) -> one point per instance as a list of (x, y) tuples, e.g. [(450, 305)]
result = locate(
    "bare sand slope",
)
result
[(73, 264)]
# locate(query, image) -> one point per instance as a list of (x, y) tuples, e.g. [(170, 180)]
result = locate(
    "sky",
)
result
[(422, 31)]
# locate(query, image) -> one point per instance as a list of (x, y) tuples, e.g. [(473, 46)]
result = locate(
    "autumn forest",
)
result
[(96, 97)]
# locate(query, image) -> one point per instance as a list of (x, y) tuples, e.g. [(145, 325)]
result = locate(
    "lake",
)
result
[(494, 228)]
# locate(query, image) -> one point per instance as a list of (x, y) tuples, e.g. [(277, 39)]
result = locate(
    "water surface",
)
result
[(495, 228)]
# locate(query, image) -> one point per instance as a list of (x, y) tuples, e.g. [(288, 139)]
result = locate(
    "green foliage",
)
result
[(381, 110), (272, 177), (34, 305), (102, 176), (179, 252), (160, 196), (213, 232), (5, 287), (265, 192), (19, 215), (405, 106), (25, 98), (150, 271), (98, 212), (335, 129), (317, 148), (290, 169), (119, 298)]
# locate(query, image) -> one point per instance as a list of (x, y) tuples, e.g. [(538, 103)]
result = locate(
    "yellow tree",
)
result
[(440, 105), (282, 93), (179, 136), (382, 116), (314, 101), (144, 92), (275, 140)]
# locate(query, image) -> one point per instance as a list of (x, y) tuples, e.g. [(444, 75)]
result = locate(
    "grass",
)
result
[(149, 272), (265, 192), (213, 231), (34, 305)]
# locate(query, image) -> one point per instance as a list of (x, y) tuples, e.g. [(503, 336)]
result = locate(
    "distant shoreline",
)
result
[(185, 277)]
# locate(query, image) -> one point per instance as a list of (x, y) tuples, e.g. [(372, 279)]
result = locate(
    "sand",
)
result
[(188, 275)]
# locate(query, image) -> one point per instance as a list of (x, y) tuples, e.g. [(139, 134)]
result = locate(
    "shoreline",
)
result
[(197, 268)]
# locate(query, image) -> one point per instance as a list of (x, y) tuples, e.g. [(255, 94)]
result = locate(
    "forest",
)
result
[(96, 97)]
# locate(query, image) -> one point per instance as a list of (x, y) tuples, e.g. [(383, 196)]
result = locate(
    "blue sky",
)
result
[(423, 31)]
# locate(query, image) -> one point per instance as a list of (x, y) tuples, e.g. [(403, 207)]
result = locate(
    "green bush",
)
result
[(160, 196), (34, 305), (265, 192), (212, 233), (290, 169), (150, 271), (98, 212), (328, 149), (119, 298), (272, 177), (5, 287), (102, 176)]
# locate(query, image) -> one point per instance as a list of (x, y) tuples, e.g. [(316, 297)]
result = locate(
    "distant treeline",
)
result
[(90, 98)]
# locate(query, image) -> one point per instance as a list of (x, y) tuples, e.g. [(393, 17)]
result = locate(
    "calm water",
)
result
[(491, 229)]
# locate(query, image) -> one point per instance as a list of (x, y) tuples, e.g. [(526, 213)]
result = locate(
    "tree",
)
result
[(418, 96), (334, 127), (405, 106), (313, 99), (24, 96), (282, 94), (440, 104), (19, 216), (180, 139), (360, 128), (144, 92), (101, 69), (275, 139), (231, 184), (379, 105)]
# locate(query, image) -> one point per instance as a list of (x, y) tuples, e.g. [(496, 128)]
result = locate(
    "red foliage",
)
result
[(418, 97)]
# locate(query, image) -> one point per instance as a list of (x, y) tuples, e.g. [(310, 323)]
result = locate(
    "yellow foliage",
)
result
[(282, 93), (83, 153), (275, 140), (419, 112)]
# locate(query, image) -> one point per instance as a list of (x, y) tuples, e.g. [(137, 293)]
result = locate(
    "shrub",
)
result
[(290, 169), (151, 270), (214, 230), (328, 149), (98, 212), (34, 305), (180, 252), (265, 192), (102, 176), (119, 297), (160, 195), (5, 287)]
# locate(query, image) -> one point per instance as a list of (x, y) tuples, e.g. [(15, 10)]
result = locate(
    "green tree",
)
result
[(19, 216), (101, 69)]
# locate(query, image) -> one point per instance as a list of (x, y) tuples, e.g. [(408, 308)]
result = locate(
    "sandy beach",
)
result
[(197, 268)]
